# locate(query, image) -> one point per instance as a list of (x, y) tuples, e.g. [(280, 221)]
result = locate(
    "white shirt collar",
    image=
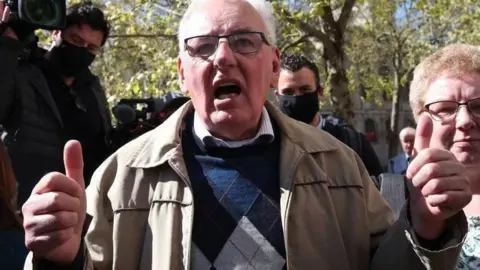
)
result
[(264, 135)]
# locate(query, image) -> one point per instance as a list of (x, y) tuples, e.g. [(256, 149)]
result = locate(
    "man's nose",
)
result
[(224, 55), (464, 119)]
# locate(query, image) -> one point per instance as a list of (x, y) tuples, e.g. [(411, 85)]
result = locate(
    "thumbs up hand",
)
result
[(438, 184), (55, 212)]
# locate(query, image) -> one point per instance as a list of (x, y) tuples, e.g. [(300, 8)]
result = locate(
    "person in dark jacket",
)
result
[(12, 248), (49, 97), (298, 93)]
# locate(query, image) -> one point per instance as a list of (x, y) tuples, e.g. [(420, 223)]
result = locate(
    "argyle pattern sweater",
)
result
[(236, 194)]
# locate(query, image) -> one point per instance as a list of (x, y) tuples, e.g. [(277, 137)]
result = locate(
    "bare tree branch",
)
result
[(144, 36), (308, 29), (293, 44), (327, 17), (345, 15), (285, 40)]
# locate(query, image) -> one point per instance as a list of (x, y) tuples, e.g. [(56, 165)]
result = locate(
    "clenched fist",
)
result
[(55, 212)]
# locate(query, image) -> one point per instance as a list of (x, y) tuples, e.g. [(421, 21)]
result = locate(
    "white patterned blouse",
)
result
[(470, 254)]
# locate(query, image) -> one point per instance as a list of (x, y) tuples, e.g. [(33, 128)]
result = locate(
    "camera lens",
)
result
[(42, 12)]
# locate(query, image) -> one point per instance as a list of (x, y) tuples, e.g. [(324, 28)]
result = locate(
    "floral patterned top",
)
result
[(470, 255)]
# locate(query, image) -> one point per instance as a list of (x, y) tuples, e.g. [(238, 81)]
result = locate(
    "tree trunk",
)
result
[(337, 77), (394, 116), (331, 34), (340, 95)]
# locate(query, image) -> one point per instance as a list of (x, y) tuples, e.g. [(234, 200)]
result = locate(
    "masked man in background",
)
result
[(49, 97), (298, 93)]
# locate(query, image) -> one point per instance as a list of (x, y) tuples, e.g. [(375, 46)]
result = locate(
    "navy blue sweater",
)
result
[(236, 200)]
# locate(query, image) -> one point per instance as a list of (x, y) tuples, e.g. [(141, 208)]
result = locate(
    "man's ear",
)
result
[(56, 34), (181, 76), (277, 95), (275, 68), (57, 37), (320, 91)]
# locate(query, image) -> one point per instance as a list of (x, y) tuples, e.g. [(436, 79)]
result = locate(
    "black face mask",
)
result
[(70, 58), (302, 108)]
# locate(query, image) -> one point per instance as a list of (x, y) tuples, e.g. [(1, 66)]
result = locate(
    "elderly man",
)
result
[(399, 163), (229, 182)]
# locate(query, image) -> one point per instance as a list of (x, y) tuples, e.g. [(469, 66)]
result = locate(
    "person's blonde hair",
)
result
[(455, 59)]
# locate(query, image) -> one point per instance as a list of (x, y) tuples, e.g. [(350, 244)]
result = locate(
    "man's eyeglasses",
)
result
[(447, 110), (242, 43)]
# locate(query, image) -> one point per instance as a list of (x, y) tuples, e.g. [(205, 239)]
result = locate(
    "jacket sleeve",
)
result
[(104, 103), (104, 113), (10, 51), (369, 157), (394, 245)]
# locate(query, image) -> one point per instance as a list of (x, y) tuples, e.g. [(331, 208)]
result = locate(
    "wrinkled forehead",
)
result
[(455, 86), (227, 17)]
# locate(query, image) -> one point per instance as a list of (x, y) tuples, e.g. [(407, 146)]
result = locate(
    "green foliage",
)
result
[(382, 38), (139, 59), (397, 34)]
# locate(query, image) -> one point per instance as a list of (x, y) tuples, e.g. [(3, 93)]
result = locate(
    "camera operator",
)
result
[(50, 97)]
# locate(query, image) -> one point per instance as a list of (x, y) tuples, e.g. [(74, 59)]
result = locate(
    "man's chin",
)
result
[(224, 117), (235, 122), (469, 159)]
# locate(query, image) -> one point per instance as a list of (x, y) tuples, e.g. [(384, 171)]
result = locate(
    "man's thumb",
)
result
[(73, 159)]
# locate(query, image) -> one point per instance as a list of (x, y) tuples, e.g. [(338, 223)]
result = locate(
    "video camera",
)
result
[(138, 116), (44, 14)]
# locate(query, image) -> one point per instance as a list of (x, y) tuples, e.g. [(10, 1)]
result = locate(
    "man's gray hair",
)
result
[(406, 131), (263, 7)]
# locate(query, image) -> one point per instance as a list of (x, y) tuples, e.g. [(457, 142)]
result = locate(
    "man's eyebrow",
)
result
[(286, 89), (305, 86), (242, 30)]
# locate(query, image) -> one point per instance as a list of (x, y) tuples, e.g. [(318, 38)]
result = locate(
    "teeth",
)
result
[(231, 95), (227, 84)]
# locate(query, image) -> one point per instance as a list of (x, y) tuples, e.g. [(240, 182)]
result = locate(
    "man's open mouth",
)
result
[(227, 90)]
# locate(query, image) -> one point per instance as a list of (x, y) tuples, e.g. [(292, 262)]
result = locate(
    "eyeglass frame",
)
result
[(453, 116), (262, 35)]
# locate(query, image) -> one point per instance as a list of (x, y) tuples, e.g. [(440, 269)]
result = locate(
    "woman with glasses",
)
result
[(446, 86), (12, 248)]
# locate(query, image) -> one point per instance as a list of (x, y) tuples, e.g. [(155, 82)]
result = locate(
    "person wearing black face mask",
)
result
[(298, 94), (70, 59), (302, 107), (50, 96), (77, 93)]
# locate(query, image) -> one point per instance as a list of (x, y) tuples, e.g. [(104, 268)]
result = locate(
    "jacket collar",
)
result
[(164, 142)]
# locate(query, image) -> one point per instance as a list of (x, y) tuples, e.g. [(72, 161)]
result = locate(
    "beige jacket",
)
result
[(333, 216)]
